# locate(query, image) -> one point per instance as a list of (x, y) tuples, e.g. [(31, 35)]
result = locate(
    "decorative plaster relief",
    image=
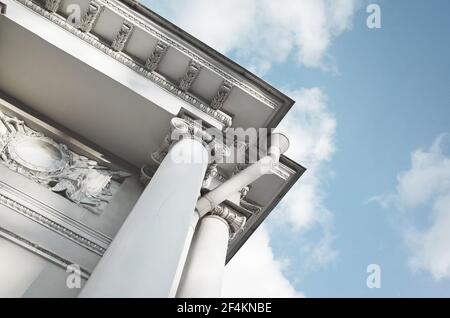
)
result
[(53, 165)]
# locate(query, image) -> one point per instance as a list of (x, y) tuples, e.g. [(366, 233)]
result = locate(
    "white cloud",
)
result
[(431, 247), (312, 129), (254, 271), (312, 125), (264, 32), (426, 185), (428, 177)]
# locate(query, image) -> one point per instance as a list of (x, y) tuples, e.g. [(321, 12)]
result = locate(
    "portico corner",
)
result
[(133, 156)]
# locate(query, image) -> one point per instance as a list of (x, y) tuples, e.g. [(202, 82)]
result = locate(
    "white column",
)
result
[(202, 276), (184, 255), (145, 255)]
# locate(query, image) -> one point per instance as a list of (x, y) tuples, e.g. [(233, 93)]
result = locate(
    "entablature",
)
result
[(174, 61)]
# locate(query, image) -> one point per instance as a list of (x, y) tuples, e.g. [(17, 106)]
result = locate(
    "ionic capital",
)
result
[(235, 220), (186, 128)]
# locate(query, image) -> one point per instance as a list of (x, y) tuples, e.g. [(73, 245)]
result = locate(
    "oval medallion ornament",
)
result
[(77, 178), (39, 154)]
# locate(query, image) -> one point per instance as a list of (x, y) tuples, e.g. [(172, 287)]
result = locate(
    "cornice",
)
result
[(40, 250), (116, 53), (283, 101), (138, 21), (52, 219), (50, 224)]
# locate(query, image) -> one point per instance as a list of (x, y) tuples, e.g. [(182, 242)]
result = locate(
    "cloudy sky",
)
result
[(371, 124)]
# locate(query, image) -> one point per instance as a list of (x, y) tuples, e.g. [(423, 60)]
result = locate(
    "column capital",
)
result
[(211, 173), (184, 128), (235, 220), (188, 128)]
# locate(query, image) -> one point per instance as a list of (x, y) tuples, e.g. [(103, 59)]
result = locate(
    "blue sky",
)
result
[(381, 100)]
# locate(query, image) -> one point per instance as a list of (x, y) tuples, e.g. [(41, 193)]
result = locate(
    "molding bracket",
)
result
[(52, 5), (189, 76), (123, 36), (221, 95), (2, 8), (90, 17), (156, 56)]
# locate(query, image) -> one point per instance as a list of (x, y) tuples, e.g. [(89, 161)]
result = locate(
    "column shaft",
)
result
[(202, 276), (143, 259)]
